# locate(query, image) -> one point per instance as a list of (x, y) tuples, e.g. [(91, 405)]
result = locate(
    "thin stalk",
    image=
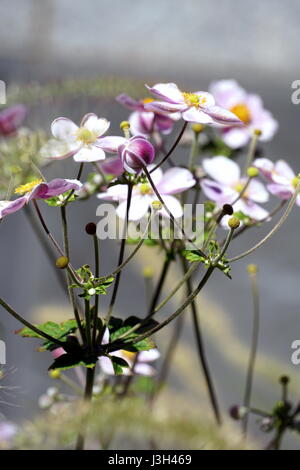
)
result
[(172, 148), (194, 151), (78, 178), (201, 351), (88, 330), (251, 151), (90, 375), (69, 277), (253, 351), (97, 274)]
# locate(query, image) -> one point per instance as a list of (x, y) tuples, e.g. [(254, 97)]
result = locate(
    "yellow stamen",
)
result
[(128, 354), (25, 188), (295, 182), (86, 136), (242, 112), (194, 100), (145, 189), (147, 100)]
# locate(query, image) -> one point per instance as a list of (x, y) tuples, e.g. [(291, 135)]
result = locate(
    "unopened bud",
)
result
[(91, 228), (233, 223), (257, 132), (92, 291), (197, 128), (284, 380), (54, 374), (238, 412), (252, 172), (124, 125), (62, 262), (227, 209), (148, 272), (252, 268)]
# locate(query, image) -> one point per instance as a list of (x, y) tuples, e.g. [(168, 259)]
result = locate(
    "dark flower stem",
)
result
[(78, 178), (97, 274), (172, 148), (88, 393)]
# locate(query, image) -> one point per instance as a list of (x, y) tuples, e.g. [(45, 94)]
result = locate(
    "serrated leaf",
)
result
[(56, 330)]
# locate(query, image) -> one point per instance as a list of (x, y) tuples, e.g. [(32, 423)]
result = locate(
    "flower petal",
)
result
[(220, 193), (129, 102), (110, 143), (167, 91), (149, 356), (138, 208), (196, 115), (59, 150), (163, 107), (257, 192), (106, 365), (11, 118), (175, 180), (8, 207), (173, 205), (265, 166), (280, 190), (236, 138), (223, 116), (89, 154), (64, 129), (112, 166), (222, 169), (97, 126), (227, 93)]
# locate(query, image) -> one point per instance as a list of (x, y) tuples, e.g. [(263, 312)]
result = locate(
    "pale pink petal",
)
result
[(141, 123), (58, 352), (59, 150), (223, 116), (167, 91), (64, 129), (280, 190), (176, 180), (149, 356), (196, 115), (237, 137), (252, 210), (89, 154), (222, 169), (164, 107), (110, 143), (138, 208), (112, 166), (129, 102), (8, 207), (265, 166), (227, 93), (173, 205), (157, 175), (283, 169), (96, 125), (144, 369), (257, 192), (11, 118), (105, 337), (208, 99), (220, 193), (106, 365), (115, 193)]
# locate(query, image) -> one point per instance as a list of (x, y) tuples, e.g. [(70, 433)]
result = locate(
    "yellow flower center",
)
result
[(25, 188), (147, 100), (128, 354), (295, 182), (86, 136), (242, 112), (192, 99), (145, 188)]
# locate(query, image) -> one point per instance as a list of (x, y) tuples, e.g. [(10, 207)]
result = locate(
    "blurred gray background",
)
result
[(191, 42)]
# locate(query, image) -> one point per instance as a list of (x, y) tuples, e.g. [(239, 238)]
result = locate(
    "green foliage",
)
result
[(56, 330), (57, 201), (92, 285)]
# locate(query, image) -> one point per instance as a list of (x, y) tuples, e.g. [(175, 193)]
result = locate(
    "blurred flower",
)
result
[(282, 180), (136, 153), (173, 181), (83, 143), (11, 119), (37, 189), (198, 106), (144, 122), (139, 365), (7, 432), (248, 108), (228, 185)]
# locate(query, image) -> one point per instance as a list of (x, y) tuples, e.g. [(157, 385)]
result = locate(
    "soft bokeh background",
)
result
[(190, 42)]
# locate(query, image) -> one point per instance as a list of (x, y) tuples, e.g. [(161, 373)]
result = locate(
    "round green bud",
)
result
[(124, 125), (252, 268), (197, 128), (148, 272), (62, 262), (156, 205), (257, 132), (233, 223), (54, 374), (295, 181), (252, 172), (91, 228)]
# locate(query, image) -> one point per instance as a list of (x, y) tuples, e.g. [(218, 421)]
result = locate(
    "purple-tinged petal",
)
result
[(142, 123), (110, 143), (280, 190), (283, 169), (129, 102), (115, 193), (11, 119), (8, 207), (112, 166), (257, 192), (218, 192), (59, 150), (175, 180), (251, 209), (53, 188), (173, 205), (223, 116), (136, 153), (266, 167), (222, 169), (227, 93), (167, 91), (206, 100), (164, 107), (196, 115)]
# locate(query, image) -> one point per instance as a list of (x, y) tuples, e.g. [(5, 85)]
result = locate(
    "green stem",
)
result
[(97, 274), (73, 190), (88, 331), (90, 375)]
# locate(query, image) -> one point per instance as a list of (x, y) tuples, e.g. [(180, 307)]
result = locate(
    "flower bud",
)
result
[(197, 128), (148, 272), (92, 291), (54, 374), (62, 262), (237, 412), (257, 132), (252, 268), (252, 172), (284, 380), (156, 205), (136, 153), (124, 125), (91, 228), (233, 223), (227, 209)]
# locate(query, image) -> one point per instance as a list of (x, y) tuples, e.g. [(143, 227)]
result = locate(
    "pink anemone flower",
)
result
[(173, 181), (144, 122), (227, 186), (37, 190), (11, 119), (84, 143), (198, 106), (248, 108), (281, 178)]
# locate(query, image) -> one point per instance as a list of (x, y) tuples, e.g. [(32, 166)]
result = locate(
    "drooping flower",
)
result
[(136, 153), (173, 181), (198, 106), (144, 122), (11, 119), (141, 367), (84, 143), (37, 189), (248, 108), (228, 184), (281, 178)]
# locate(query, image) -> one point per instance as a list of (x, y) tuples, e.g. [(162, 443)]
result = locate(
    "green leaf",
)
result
[(57, 201), (118, 364), (67, 361), (56, 330)]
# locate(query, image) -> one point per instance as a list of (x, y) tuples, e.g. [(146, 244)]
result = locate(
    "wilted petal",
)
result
[(89, 154), (222, 169), (64, 129), (167, 91), (176, 180)]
